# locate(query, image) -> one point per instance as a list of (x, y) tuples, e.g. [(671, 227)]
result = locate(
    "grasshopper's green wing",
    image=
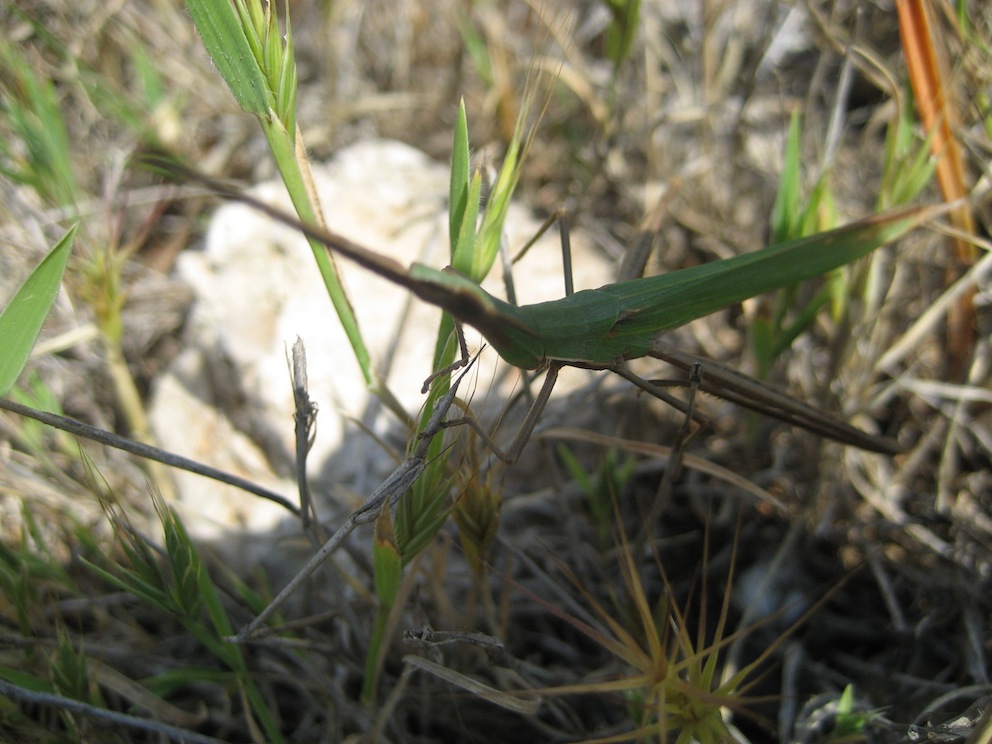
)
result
[(619, 321)]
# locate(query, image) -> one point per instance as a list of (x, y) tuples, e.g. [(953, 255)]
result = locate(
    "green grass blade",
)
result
[(426, 507), (458, 190), (293, 177), (21, 320), (225, 40), (388, 578), (259, 68), (620, 32), (793, 217), (386, 559), (286, 84), (188, 574), (908, 165), (131, 583), (786, 214), (497, 207), (477, 50), (464, 246)]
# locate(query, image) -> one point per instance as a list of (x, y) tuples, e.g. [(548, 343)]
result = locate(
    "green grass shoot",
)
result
[(22, 318), (260, 69)]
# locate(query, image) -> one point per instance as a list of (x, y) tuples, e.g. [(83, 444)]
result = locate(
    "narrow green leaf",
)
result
[(909, 162), (149, 76), (497, 207), (620, 32), (273, 50), (386, 560), (458, 190), (24, 679), (223, 36), (477, 50), (260, 707), (21, 320), (464, 253), (211, 602), (41, 155), (575, 469), (131, 583), (388, 568), (252, 21), (422, 520), (286, 85), (69, 670), (785, 335), (785, 214)]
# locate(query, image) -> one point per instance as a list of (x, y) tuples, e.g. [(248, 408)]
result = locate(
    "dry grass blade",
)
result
[(494, 696), (693, 462)]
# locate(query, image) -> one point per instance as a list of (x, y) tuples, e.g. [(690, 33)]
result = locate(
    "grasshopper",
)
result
[(603, 328)]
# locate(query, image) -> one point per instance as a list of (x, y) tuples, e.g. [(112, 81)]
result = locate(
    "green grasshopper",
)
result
[(601, 329)]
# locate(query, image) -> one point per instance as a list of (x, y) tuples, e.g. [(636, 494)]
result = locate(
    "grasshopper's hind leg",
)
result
[(656, 388), (742, 390)]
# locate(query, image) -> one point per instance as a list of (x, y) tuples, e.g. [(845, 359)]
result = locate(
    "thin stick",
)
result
[(548, 222), (305, 418), (566, 254), (674, 466), (383, 497), (124, 720), (635, 258), (86, 431)]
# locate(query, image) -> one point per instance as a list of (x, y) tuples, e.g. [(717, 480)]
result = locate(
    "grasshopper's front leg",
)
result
[(512, 453), (455, 365)]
